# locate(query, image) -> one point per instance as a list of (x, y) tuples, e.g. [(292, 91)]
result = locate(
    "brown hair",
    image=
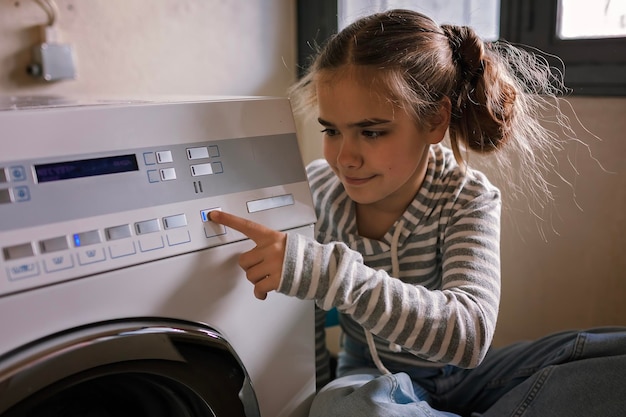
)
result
[(496, 90)]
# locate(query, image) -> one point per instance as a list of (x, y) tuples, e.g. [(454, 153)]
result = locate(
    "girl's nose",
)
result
[(349, 155)]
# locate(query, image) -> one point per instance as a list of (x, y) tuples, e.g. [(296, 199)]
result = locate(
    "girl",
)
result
[(407, 235)]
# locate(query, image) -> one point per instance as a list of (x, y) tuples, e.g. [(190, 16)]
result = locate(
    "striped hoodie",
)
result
[(429, 290)]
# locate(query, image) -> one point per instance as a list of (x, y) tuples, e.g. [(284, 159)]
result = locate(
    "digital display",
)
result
[(86, 168)]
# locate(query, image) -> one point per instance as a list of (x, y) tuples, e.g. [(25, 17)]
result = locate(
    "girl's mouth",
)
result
[(356, 181)]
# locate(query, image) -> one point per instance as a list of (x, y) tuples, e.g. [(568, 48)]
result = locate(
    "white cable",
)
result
[(51, 9)]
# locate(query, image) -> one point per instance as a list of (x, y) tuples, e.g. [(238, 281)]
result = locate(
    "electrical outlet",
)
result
[(52, 62)]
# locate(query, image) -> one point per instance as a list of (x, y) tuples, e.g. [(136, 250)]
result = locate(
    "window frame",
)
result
[(593, 67)]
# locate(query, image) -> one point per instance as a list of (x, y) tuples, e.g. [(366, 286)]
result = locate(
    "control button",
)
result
[(24, 270), (217, 167), (117, 232), (168, 174), (178, 237), (91, 256), (270, 203), (87, 238), (3, 175), (17, 173), (214, 151), (211, 229), (149, 243), (148, 226), (149, 158), (201, 169), (5, 196), (58, 263), (204, 214), (197, 153), (18, 251), (172, 222), (21, 194), (54, 244), (153, 175), (121, 249), (164, 157)]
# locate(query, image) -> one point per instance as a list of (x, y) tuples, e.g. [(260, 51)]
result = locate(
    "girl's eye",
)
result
[(330, 132), (372, 134)]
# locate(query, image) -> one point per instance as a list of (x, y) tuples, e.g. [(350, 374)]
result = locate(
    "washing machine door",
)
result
[(127, 368)]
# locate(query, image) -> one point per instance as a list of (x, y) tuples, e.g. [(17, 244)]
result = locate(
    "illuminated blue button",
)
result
[(204, 214), (17, 173), (87, 238)]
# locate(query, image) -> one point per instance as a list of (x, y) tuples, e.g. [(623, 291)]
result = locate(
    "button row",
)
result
[(93, 237), (165, 157)]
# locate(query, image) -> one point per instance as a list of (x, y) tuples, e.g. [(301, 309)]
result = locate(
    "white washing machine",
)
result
[(118, 297)]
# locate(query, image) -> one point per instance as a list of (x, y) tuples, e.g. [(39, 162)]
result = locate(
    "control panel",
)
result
[(86, 189)]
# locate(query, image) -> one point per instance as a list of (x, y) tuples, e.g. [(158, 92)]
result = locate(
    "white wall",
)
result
[(184, 47)]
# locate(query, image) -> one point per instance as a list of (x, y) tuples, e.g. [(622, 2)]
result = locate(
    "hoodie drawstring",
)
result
[(395, 271)]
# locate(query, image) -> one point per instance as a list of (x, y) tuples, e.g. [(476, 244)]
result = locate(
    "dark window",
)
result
[(586, 39)]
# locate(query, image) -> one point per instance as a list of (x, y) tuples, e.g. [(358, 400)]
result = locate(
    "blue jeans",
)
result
[(566, 374)]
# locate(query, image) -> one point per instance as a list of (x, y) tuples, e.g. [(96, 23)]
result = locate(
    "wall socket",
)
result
[(52, 62)]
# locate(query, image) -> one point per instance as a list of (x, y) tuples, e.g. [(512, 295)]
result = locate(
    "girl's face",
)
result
[(375, 148)]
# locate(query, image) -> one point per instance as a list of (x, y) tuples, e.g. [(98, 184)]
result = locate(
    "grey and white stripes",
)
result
[(442, 306)]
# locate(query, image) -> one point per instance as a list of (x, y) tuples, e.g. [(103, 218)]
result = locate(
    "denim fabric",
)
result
[(565, 374)]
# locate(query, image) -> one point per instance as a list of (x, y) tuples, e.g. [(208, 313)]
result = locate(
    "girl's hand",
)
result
[(264, 263)]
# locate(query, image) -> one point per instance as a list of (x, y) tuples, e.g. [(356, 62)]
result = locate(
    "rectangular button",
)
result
[(198, 153), (270, 203), (172, 222), (148, 226), (204, 214), (91, 237), (164, 157), (91, 256), (25, 270), (18, 251), (54, 244), (118, 232), (3, 175), (58, 263), (168, 174), (5, 196), (201, 169)]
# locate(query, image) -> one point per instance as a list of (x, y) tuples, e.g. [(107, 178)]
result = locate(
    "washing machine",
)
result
[(118, 295)]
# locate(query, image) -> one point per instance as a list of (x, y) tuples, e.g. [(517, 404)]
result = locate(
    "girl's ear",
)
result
[(439, 122)]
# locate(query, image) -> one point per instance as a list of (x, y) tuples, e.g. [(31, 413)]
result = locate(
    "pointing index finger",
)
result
[(249, 228)]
